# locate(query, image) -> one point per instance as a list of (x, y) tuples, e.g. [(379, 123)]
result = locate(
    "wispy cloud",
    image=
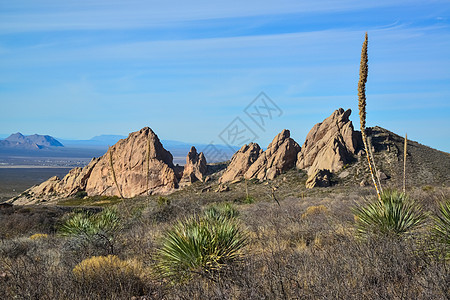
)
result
[(26, 16), (165, 63)]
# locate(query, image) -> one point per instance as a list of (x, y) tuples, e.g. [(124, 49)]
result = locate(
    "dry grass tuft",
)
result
[(91, 269), (315, 210), (39, 236)]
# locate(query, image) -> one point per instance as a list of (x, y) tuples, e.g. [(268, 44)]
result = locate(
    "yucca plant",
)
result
[(102, 226), (217, 211), (200, 245), (394, 215), (77, 224), (441, 227)]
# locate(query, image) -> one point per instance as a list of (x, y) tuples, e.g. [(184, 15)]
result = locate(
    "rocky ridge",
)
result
[(280, 156), (241, 162), (329, 145), (195, 168), (134, 166), (330, 154)]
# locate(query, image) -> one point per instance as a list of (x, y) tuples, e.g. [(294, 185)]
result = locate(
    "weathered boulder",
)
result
[(195, 168), (280, 156), (241, 162), (329, 145), (138, 164), (320, 178)]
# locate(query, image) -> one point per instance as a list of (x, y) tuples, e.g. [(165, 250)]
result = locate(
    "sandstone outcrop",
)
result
[(329, 145), (280, 156), (195, 168), (241, 162), (139, 163)]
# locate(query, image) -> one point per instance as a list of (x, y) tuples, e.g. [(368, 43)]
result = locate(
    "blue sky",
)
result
[(187, 69)]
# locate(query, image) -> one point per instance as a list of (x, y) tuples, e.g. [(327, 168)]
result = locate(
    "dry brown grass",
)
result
[(303, 249)]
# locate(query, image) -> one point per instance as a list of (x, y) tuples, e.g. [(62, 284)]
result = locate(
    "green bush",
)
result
[(101, 226), (163, 201), (248, 200), (200, 245), (395, 214), (81, 194), (217, 211)]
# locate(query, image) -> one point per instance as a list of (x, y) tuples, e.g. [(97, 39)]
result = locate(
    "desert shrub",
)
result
[(39, 236), (216, 211), (14, 248), (81, 194), (93, 268), (395, 214), (99, 228), (17, 221), (427, 188), (200, 245), (314, 210), (248, 200), (441, 227), (162, 201), (110, 272)]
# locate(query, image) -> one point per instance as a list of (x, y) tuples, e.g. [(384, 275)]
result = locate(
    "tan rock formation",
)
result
[(320, 178), (141, 165), (280, 156), (241, 162), (195, 167), (329, 145)]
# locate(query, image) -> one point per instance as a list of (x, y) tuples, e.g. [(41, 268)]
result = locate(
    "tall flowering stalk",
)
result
[(363, 71), (405, 147)]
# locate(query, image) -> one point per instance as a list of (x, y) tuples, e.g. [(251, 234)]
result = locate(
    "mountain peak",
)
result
[(15, 137), (35, 141)]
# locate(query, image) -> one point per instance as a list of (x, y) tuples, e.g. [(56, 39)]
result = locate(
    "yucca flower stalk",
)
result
[(404, 162), (363, 72), (372, 158), (148, 162)]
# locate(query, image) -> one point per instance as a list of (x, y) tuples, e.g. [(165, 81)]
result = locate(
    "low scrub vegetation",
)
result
[(88, 228), (305, 248), (98, 272)]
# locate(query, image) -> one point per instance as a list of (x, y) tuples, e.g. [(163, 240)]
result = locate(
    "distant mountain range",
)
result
[(179, 150), (99, 141), (30, 142), (18, 144)]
